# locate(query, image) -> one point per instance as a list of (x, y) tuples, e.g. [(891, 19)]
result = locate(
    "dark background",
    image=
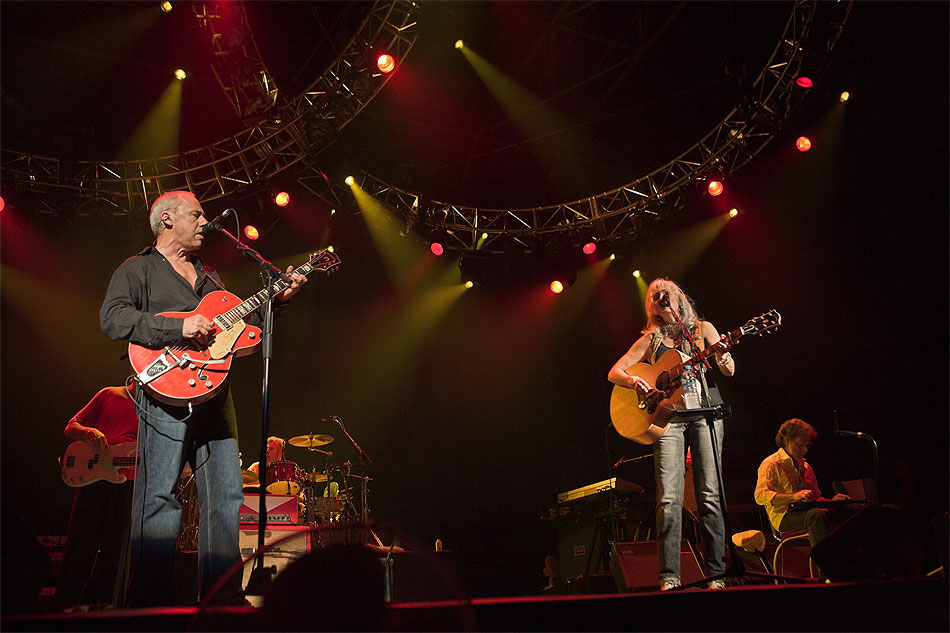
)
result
[(478, 422)]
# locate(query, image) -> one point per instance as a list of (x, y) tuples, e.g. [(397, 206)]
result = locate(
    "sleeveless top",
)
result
[(660, 348)]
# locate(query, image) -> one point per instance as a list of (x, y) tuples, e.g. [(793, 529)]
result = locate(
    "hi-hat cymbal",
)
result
[(309, 441), (248, 477)]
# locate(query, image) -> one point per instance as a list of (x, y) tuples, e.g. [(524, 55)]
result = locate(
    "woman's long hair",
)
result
[(687, 309)]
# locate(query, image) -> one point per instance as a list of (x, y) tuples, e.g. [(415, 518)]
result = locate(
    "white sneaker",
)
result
[(669, 583), (717, 584)]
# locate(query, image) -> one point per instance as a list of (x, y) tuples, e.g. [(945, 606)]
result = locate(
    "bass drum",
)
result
[(283, 478)]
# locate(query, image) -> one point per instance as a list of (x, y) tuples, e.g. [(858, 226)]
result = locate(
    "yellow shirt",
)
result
[(778, 475)]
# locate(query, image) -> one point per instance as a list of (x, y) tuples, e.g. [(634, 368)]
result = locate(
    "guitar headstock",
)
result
[(763, 324), (326, 261)]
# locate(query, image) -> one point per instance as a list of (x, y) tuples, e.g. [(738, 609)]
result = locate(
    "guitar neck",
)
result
[(733, 337), (237, 313)]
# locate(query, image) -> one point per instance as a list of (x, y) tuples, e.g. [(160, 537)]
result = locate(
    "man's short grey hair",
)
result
[(165, 203)]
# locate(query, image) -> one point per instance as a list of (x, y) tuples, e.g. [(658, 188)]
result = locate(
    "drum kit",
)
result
[(324, 495)]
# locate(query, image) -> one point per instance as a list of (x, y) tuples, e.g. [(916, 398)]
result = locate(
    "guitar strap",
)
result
[(686, 348)]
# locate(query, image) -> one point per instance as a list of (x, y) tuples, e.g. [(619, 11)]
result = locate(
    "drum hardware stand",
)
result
[(260, 575), (364, 512), (735, 567)]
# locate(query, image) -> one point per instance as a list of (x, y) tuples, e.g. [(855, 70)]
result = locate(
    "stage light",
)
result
[(612, 257), (804, 82), (282, 199), (180, 74), (803, 143), (733, 212), (714, 188), (166, 6), (436, 249), (589, 248), (636, 273), (557, 287), (386, 63), (469, 284), (459, 43), (330, 248), (350, 180), (332, 211), (2, 203), (484, 236), (844, 96), (251, 232)]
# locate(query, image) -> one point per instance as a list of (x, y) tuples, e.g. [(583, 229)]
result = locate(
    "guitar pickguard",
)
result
[(224, 340)]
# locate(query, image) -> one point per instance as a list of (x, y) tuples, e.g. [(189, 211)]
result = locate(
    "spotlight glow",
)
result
[(2, 203), (636, 273), (714, 188), (803, 143), (436, 249), (733, 212), (844, 96), (251, 232), (804, 82), (469, 284), (386, 63), (557, 287), (459, 43), (350, 180), (166, 6), (612, 257), (282, 199), (180, 74), (589, 248)]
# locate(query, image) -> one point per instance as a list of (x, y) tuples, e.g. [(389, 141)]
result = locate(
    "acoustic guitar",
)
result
[(645, 418)]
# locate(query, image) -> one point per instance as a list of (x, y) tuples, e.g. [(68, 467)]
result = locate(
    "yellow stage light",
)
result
[(350, 180), (469, 284), (557, 287), (844, 96), (180, 74), (636, 273), (612, 257), (166, 6), (282, 199), (733, 212), (459, 43)]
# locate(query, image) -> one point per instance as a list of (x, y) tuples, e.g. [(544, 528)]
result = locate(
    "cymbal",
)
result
[(309, 441), (314, 477), (248, 477)]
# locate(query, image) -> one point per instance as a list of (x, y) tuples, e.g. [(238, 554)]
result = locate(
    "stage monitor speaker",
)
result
[(871, 545), (636, 565), (280, 555)]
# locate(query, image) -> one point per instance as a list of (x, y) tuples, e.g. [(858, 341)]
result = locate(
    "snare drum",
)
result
[(282, 478)]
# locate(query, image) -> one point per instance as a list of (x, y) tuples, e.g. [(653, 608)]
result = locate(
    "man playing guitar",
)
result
[(99, 522), (169, 277)]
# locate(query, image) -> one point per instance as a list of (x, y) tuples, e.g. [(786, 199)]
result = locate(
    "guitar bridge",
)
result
[(163, 363)]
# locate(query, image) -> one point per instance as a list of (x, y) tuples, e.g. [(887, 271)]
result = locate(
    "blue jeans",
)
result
[(168, 437), (669, 464)]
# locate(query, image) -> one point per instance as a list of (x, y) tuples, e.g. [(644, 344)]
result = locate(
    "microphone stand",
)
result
[(261, 576), (860, 434), (364, 503), (735, 568)]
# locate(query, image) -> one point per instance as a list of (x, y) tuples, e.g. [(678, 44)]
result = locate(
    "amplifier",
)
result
[(280, 509), (636, 565), (283, 544)]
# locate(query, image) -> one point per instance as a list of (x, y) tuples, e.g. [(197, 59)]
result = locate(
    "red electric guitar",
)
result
[(189, 373)]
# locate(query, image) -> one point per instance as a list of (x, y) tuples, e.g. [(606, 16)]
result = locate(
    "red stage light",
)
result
[(385, 63), (589, 248), (251, 232), (804, 82), (557, 287), (282, 199), (436, 249), (714, 188), (2, 203), (803, 143)]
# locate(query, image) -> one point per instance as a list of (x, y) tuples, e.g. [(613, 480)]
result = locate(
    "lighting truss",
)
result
[(288, 135), (620, 215)]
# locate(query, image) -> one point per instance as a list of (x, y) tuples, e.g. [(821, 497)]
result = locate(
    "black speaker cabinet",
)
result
[(636, 565), (582, 545), (871, 545)]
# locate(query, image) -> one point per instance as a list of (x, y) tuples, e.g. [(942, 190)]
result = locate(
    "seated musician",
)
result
[(275, 453), (785, 477)]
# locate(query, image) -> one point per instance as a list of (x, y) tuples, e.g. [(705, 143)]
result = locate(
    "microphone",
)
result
[(215, 224), (663, 300)]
